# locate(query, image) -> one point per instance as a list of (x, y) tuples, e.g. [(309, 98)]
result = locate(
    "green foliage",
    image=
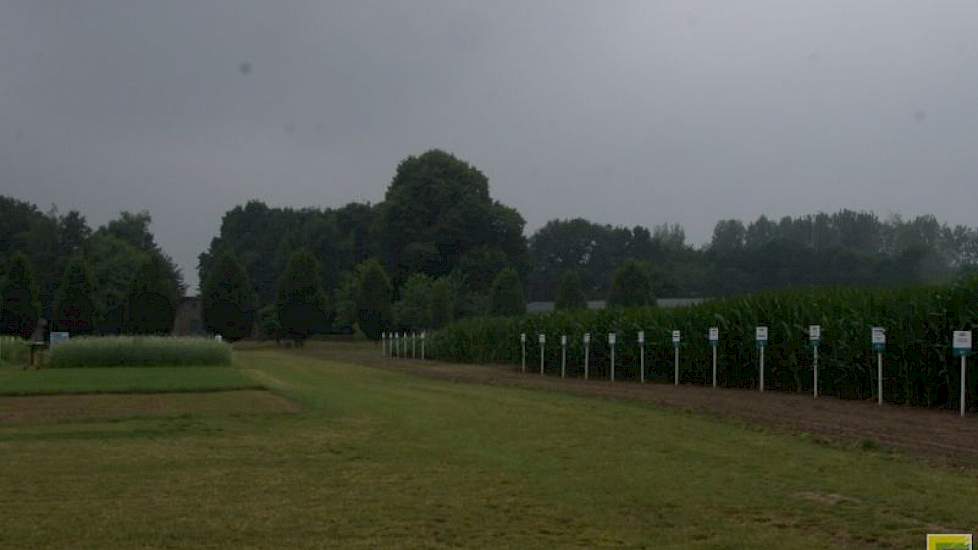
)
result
[(373, 299), (13, 351), (413, 311), (151, 300), (919, 365), (228, 300), (20, 308), (268, 323), (302, 303), (507, 294), (345, 300), (151, 351), (74, 307), (632, 286), (437, 211), (570, 292), (444, 294)]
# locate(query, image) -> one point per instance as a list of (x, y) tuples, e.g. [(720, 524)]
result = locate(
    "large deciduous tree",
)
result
[(507, 294), (413, 311), (438, 210), (74, 306), (228, 300), (374, 291), (20, 308), (301, 303)]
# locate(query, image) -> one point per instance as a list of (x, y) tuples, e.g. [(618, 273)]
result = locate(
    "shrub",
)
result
[(631, 286), (919, 368), (570, 292), (507, 294), (146, 351), (414, 308), (301, 304), (228, 300), (20, 307), (13, 351), (373, 299), (74, 307)]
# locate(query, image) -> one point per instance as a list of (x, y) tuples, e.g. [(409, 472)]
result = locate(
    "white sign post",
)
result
[(641, 346), (587, 349), (879, 345), (714, 342), (611, 342), (815, 338), (523, 346), (414, 347), (397, 345), (962, 348), (383, 343), (422, 345), (563, 356), (543, 344), (760, 334), (676, 338)]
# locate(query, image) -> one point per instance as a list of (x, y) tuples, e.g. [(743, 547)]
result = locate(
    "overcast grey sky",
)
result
[(625, 112)]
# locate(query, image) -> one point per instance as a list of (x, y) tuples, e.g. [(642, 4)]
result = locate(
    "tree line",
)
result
[(111, 280), (439, 248)]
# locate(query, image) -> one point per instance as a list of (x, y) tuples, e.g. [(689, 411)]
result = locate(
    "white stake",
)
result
[(422, 345), (611, 341), (714, 366), (523, 345), (587, 349), (543, 343), (879, 377), (641, 344), (762, 368), (563, 356), (414, 340), (677, 366), (964, 364), (815, 362)]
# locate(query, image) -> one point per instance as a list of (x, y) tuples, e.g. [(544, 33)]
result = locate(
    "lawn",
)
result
[(383, 459), (15, 381)]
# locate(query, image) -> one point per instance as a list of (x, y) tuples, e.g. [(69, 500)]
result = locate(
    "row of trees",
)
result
[(148, 306), (230, 304), (62, 252)]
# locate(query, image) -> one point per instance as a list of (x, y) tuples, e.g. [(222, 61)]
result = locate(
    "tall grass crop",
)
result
[(148, 351), (919, 367), (13, 351)]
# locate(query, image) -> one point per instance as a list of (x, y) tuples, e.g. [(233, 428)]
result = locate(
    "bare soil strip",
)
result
[(59, 408), (936, 435)]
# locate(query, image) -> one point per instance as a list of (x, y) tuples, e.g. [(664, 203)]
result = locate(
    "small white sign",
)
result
[(523, 337), (543, 338), (761, 334), (611, 337), (422, 335), (879, 336), (814, 333), (641, 337), (383, 335), (563, 340), (714, 334), (962, 340), (219, 338), (676, 336), (587, 337)]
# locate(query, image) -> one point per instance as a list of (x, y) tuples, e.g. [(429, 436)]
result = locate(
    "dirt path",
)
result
[(57, 408), (941, 436)]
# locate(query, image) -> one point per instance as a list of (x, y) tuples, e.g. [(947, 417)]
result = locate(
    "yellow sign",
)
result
[(949, 542)]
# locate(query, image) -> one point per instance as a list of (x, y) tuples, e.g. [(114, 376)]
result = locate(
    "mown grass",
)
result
[(14, 381), (137, 351), (382, 459)]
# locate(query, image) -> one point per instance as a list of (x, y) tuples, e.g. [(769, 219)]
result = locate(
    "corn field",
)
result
[(919, 366)]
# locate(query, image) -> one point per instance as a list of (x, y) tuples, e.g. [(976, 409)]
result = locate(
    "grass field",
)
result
[(15, 381), (383, 459)]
